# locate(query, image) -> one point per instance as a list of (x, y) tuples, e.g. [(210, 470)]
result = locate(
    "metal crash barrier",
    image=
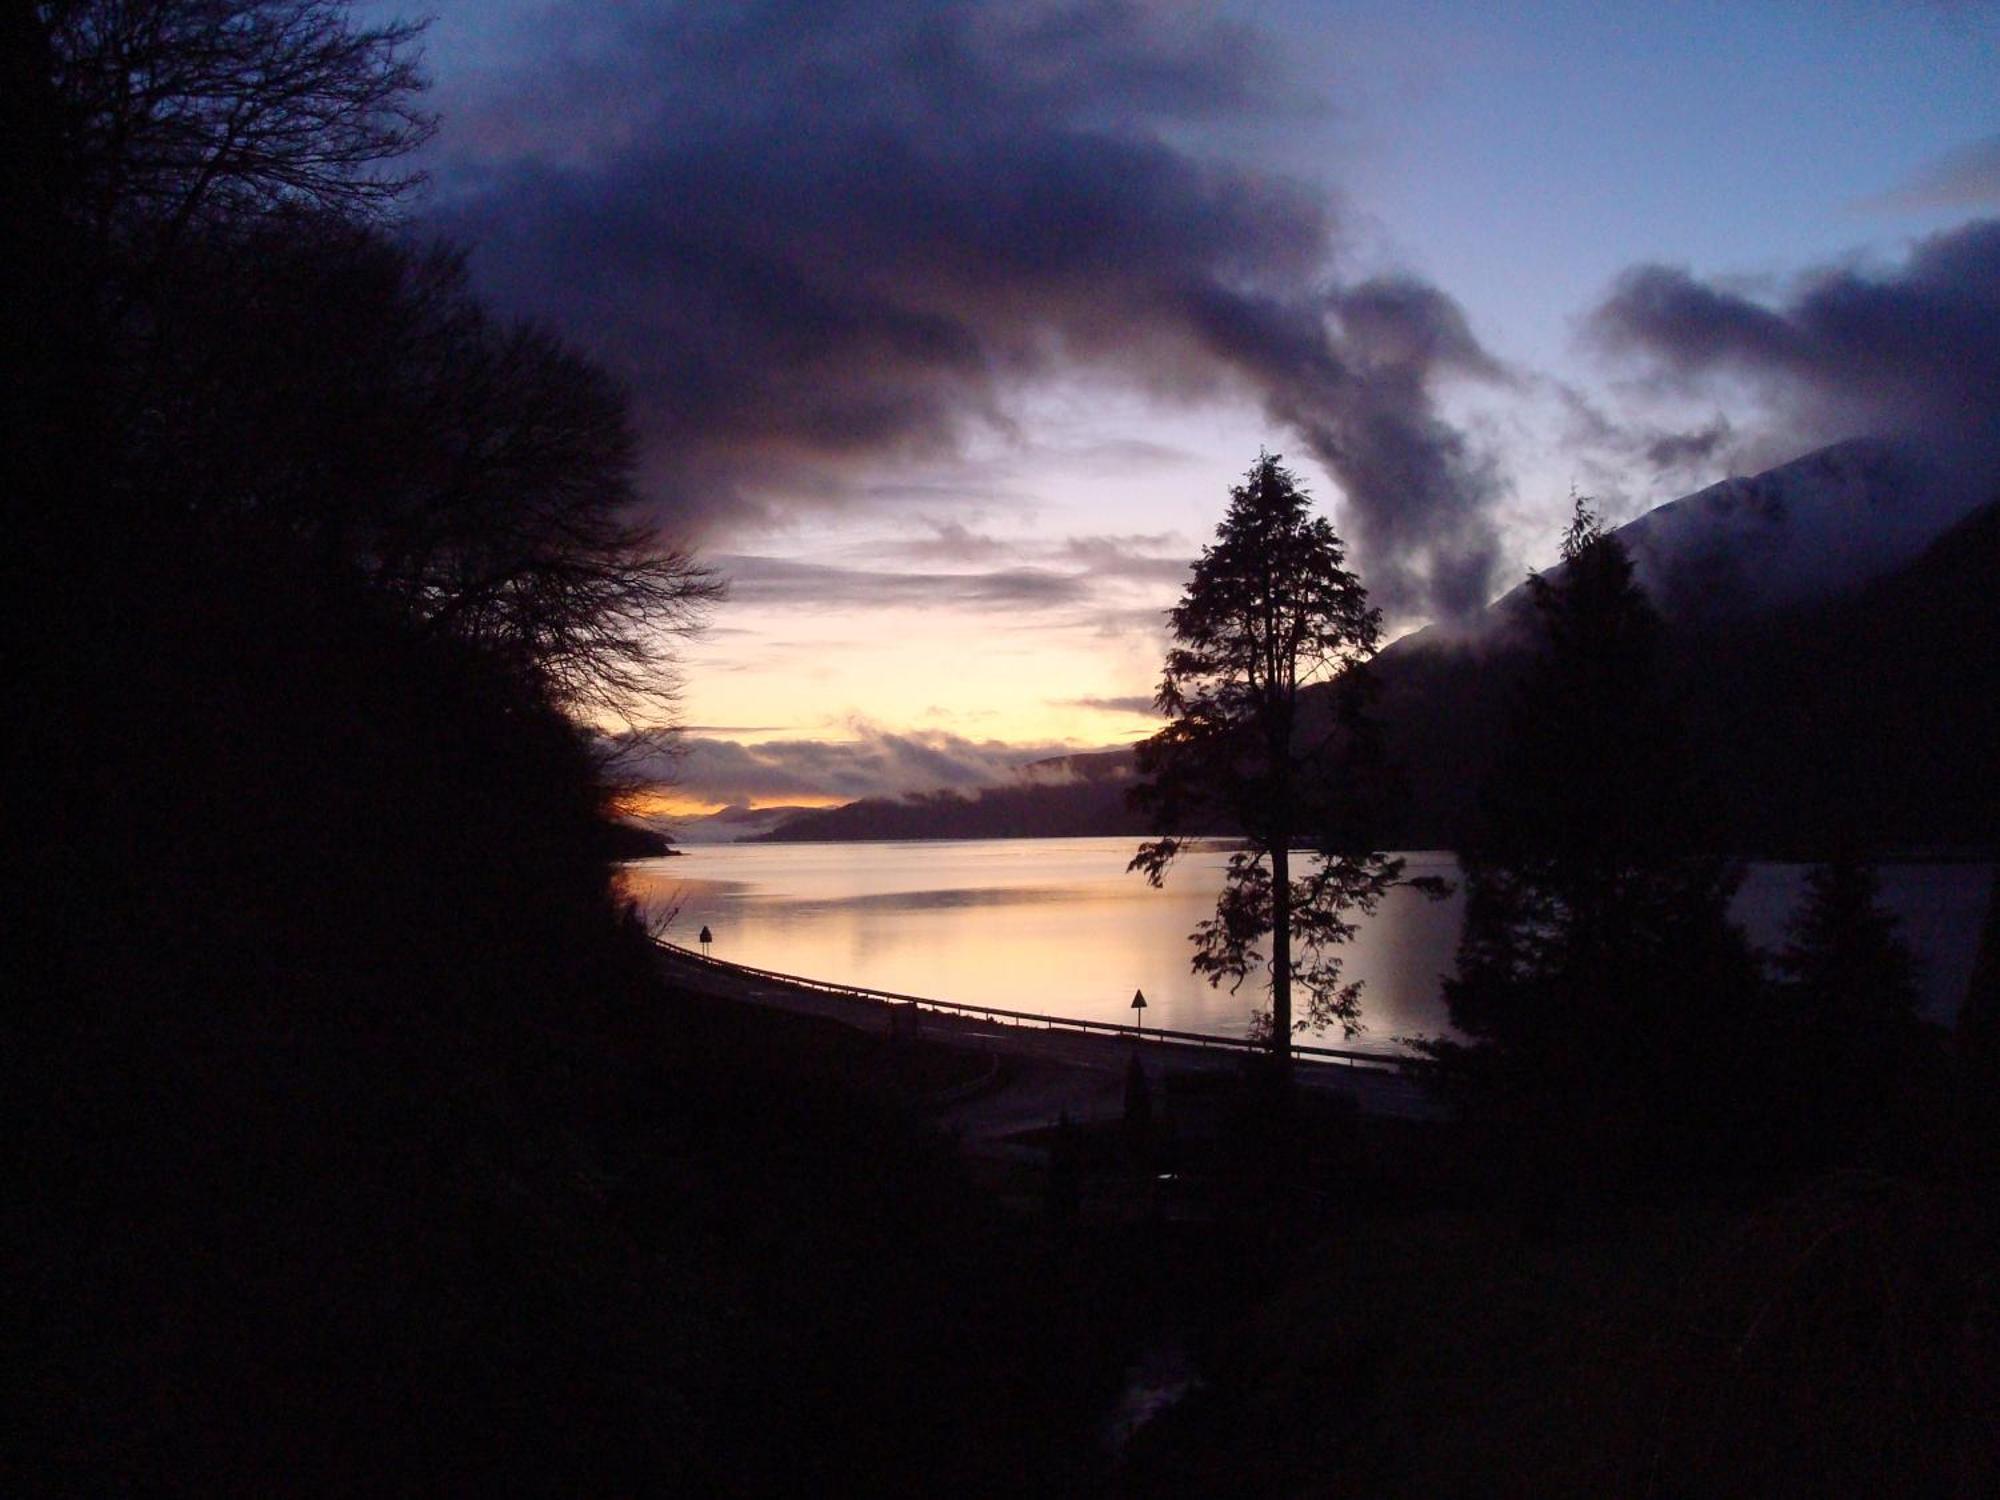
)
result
[(1024, 1019)]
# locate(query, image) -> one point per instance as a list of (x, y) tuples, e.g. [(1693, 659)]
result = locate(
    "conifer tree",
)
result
[(1598, 965), (1851, 981), (1270, 613)]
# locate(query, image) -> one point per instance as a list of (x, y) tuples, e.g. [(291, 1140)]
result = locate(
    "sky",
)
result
[(948, 326)]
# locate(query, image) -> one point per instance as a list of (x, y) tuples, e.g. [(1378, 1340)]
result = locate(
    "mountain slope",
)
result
[(1807, 529), (1876, 712), (1869, 714)]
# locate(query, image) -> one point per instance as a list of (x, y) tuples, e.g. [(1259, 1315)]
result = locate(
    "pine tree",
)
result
[(1598, 967), (1851, 980), (1270, 613)]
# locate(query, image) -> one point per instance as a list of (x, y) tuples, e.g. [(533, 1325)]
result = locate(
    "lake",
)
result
[(1056, 925)]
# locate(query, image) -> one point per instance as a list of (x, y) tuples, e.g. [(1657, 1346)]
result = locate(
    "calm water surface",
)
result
[(1057, 925)]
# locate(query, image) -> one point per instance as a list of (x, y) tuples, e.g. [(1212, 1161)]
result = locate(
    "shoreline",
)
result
[(1056, 1070)]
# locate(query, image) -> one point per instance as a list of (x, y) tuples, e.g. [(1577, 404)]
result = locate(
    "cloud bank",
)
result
[(1908, 350), (815, 235), (875, 763)]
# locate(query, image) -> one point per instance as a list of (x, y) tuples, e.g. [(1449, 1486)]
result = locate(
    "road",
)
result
[(1050, 1071)]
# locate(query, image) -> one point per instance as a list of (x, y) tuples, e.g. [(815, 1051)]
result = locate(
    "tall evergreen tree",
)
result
[(1851, 981), (1270, 613), (1598, 968), (1978, 1033)]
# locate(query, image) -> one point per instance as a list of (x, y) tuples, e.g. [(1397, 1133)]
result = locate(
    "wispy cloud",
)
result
[(954, 542), (1082, 578), (1140, 704), (1967, 178), (784, 583), (1160, 558)]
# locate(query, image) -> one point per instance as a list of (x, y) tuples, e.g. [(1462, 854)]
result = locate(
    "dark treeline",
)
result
[(316, 563), (1619, 1030), (359, 1146)]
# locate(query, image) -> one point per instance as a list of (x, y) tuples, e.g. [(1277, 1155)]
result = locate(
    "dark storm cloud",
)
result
[(1915, 350), (813, 234), (1356, 378)]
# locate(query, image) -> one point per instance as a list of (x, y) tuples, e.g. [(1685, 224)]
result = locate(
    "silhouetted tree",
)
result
[(1606, 995), (322, 564), (474, 471), (179, 113), (1978, 1032), (1851, 984), (1269, 613)]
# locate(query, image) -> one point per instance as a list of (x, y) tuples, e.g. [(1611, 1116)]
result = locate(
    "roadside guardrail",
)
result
[(1025, 1019)]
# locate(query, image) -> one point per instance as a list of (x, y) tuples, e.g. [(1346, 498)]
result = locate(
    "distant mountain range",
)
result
[(735, 824), (1834, 638), (1071, 796)]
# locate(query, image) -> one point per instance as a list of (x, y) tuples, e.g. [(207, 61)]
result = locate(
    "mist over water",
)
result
[(1058, 926)]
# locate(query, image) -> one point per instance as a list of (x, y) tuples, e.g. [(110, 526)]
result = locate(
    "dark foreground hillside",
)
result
[(677, 1253), (1836, 1341), (358, 1149), (668, 1245)]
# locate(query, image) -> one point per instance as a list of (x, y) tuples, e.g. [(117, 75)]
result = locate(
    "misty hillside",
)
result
[(732, 825), (1880, 707), (1073, 796), (1831, 687), (1868, 713), (1804, 530)]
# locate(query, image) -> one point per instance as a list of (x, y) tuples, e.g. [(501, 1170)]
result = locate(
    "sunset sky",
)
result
[(948, 326)]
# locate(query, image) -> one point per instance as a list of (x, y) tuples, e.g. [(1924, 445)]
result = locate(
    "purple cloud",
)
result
[(810, 237), (1914, 350)]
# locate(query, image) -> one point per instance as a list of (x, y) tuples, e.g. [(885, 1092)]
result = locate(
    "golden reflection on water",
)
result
[(1053, 925), (1056, 925)]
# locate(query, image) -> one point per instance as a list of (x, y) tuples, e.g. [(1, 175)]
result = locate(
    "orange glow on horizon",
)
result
[(672, 802)]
